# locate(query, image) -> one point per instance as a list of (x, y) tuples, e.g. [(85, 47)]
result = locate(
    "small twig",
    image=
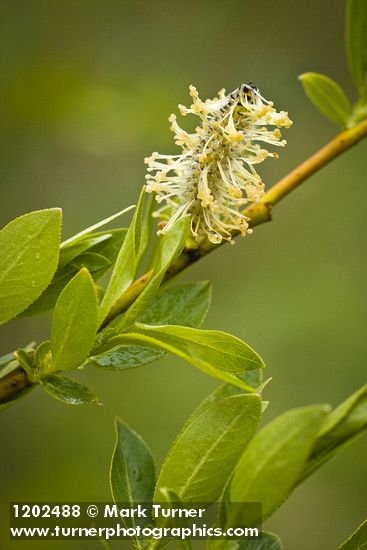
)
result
[(342, 142)]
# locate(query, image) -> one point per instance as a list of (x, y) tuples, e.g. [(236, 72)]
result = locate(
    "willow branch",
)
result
[(257, 214)]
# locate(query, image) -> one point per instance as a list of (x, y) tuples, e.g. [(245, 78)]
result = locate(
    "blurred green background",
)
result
[(86, 91)]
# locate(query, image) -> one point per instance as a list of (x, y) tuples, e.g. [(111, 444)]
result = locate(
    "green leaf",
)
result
[(216, 353), (124, 357), (147, 225), (194, 352), (48, 299), (171, 245), (91, 261), (358, 540), (205, 453), (223, 391), (222, 350), (110, 247), (186, 304), (226, 390), (356, 43), (68, 391), (341, 427), (105, 244), (43, 357), (29, 251), (74, 323), (132, 474), (71, 251), (26, 362), (9, 363), (328, 97), (126, 263), (220, 393), (97, 225), (274, 460)]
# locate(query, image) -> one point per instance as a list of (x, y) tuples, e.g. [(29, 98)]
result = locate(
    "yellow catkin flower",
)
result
[(214, 177)]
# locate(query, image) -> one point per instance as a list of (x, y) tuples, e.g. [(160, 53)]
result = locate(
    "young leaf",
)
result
[(74, 323), (358, 540), (204, 454), (216, 353), (126, 263), (68, 391), (350, 412), (356, 43), (341, 427), (97, 225), (71, 251), (274, 460), (43, 357), (91, 261), (125, 357), (9, 363), (219, 349), (132, 474), (110, 247), (171, 245), (105, 243), (147, 226), (29, 251), (328, 97), (186, 304), (26, 362)]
